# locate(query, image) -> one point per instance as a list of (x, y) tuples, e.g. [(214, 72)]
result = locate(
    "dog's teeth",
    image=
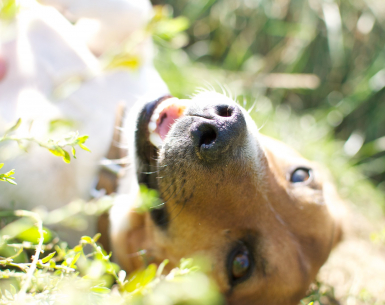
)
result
[(155, 139), (155, 116), (152, 126)]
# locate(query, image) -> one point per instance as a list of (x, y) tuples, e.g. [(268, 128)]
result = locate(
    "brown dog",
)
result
[(264, 216)]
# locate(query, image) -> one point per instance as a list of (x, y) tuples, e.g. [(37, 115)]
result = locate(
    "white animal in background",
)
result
[(45, 53)]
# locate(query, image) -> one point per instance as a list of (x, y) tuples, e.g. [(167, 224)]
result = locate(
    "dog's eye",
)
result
[(300, 175), (239, 264)]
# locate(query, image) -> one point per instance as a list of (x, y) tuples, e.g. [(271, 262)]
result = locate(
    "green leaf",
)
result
[(57, 151), (48, 257), (125, 61), (186, 263), (84, 147), (102, 290), (10, 181), (168, 28), (8, 295), (10, 173), (73, 152), (96, 237), (161, 267), (78, 248), (9, 9), (82, 139), (7, 176), (74, 260), (14, 127), (140, 278), (52, 264), (66, 157), (32, 235), (13, 289), (87, 239)]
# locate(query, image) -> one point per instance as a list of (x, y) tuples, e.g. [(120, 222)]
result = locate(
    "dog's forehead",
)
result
[(282, 151)]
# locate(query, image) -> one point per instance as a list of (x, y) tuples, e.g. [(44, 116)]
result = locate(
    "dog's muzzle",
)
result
[(216, 130)]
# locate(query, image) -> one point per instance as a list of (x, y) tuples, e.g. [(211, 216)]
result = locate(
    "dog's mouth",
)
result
[(154, 124), (163, 117)]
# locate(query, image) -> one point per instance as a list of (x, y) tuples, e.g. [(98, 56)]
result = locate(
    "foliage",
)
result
[(7, 176), (56, 147), (148, 200), (162, 27), (321, 294), (8, 9), (86, 272)]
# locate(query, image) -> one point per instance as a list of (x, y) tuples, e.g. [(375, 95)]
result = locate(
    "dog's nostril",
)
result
[(224, 110), (208, 135)]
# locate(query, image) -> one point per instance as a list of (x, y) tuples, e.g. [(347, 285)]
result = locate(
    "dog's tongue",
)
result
[(166, 118), (163, 118)]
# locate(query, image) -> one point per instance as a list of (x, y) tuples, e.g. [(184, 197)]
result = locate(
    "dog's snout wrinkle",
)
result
[(215, 112)]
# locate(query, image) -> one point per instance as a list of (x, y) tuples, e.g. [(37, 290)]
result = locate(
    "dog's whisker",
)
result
[(138, 253), (156, 168), (263, 125), (183, 206), (198, 91), (149, 173), (166, 190), (252, 107), (224, 92), (174, 193), (244, 102), (229, 92), (157, 206), (210, 87)]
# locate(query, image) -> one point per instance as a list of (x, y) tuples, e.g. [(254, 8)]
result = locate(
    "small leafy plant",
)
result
[(56, 147), (85, 274), (7, 177)]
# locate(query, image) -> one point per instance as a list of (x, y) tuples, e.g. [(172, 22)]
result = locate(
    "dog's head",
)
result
[(260, 212)]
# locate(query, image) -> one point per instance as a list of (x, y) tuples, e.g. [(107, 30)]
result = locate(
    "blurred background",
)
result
[(311, 70), (311, 73)]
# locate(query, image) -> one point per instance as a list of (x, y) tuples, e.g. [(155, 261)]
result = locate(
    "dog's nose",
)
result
[(217, 131)]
